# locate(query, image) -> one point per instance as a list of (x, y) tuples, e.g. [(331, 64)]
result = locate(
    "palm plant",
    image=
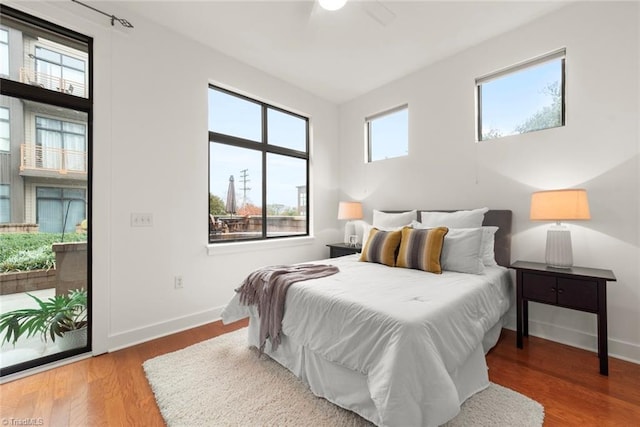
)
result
[(52, 318)]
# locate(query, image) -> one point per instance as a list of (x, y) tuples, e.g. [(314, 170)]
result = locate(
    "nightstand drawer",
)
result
[(571, 293), (538, 287), (578, 294)]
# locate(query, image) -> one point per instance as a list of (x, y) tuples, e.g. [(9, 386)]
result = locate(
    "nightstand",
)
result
[(578, 288), (341, 249)]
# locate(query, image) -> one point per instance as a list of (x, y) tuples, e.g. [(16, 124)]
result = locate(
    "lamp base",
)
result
[(559, 253), (349, 230)]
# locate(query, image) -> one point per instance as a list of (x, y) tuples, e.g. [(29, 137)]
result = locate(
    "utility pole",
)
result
[(244, 178)]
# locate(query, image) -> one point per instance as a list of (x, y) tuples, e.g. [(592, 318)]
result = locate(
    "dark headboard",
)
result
[(498, 218), (502, 246)]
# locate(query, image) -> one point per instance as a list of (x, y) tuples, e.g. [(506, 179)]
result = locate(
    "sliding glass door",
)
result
[(45, 191)]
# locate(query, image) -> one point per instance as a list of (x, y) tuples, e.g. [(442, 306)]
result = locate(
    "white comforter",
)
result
[(408, 331)]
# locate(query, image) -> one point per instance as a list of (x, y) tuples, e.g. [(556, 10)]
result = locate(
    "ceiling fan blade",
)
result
[(379, 12)]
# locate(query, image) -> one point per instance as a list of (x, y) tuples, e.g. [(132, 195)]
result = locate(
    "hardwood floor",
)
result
[(111, 389), (566, 381)]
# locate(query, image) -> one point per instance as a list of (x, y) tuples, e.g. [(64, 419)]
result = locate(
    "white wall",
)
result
[(151, 156), (598, 149)]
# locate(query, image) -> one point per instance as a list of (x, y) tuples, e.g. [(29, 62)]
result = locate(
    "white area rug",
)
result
[(222, 382)]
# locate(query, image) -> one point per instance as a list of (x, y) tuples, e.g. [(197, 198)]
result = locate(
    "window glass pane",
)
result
[(237, 154), (235, 186), (70, 62), (44, 123), (4, 52), (5, 131), (73, 128), (5, 204), (43, 196), (73, 193), (5, 141), (524, 101), (73, 80), (285, 177), (234, 116), (49, 192), (286, 130), (49, 60), (389, 135), (48, 55)]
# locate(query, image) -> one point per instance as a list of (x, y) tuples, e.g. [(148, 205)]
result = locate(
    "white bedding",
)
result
[(407, 331)]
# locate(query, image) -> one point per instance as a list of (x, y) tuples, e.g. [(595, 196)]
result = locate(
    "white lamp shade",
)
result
[(560, 205), (350, 210)]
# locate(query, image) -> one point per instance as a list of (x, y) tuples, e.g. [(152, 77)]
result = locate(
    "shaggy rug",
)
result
[(219, 382)]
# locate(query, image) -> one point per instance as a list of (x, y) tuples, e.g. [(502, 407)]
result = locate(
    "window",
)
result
[(5, 203), (5, 132), (258, 169), (524, 98), (4, 52), (387, 134), (60, 209), (46, 177), (61, 144), (59, 72)]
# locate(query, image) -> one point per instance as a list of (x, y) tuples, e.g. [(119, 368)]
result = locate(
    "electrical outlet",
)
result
[(141, 220), (177, 282)]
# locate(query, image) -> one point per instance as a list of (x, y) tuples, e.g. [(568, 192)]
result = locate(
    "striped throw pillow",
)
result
[(421, 249), (381, 247)]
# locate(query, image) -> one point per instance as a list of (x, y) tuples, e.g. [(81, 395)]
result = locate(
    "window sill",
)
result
[(259, 245)]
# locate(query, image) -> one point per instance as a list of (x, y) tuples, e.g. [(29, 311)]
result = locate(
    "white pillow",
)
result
[(462, 249), (457, 219), (366, 230), (488, 254), (386, 219)]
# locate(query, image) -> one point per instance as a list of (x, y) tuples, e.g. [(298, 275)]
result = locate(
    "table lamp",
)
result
[(350, 211), (559, 205)]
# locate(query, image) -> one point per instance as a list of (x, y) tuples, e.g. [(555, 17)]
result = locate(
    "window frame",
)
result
[(24, 91), (265, 148), (6, 197), (2, 29), (368, 132), (8, 121), (559, 54)]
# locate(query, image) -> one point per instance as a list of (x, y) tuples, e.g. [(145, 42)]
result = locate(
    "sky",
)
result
[(508, 101), (234, 116)]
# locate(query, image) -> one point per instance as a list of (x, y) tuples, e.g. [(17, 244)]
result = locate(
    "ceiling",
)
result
[(343, 54)]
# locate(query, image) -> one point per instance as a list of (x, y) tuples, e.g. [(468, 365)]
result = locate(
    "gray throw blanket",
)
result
[(267, 288)]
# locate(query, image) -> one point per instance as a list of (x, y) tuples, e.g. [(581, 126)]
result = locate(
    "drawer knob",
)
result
[(560, 291)]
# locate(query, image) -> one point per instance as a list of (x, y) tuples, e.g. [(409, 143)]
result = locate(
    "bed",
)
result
[(398, 346)]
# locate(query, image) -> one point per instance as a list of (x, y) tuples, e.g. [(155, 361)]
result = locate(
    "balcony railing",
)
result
[(50, 82), (60, 160)]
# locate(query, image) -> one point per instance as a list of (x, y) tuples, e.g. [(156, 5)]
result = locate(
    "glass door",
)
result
[(45, 191)]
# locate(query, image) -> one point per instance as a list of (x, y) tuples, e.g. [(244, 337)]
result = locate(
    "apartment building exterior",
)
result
[(43, 148)]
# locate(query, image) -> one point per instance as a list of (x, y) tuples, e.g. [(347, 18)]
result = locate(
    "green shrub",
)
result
[(30, 259), (31, 251)]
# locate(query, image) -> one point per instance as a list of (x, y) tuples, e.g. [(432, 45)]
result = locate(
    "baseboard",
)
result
[(580, 339), (162, 329)]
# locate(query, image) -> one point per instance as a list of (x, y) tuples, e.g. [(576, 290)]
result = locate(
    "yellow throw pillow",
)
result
[(381, 247), (420, 249)]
